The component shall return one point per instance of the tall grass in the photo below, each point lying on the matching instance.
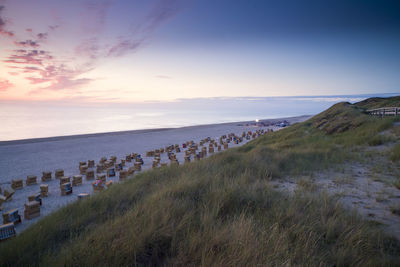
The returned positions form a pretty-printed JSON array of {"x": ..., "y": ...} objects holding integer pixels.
[
  {"x": 214, "y": 212},
  {"x": 219, "y": 211},
  {"x": 395, "y": 155}
]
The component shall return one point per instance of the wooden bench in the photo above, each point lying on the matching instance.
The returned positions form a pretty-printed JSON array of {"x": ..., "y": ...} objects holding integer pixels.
[
  {"x": 17, "y": 184},
  {"x": 31, "y": 180},
  {"x": 7, "y": 231},
  {"x": 32, "y": 210},
  {"x": 11, "y": 216}
]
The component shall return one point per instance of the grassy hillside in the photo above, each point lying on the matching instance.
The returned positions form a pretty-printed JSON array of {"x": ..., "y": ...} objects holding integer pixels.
[
  {"x": 222, "y": 210},
  {"x": 379, "y": 102}
]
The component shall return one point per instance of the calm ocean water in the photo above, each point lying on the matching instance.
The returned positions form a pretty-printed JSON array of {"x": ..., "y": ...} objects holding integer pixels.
[{"x": 23, "y": 120}]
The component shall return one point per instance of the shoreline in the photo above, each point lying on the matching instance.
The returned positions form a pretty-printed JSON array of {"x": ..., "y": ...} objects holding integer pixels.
[
  {"x": 33, "y": 156},
  {"x": 138, "y": 131}
]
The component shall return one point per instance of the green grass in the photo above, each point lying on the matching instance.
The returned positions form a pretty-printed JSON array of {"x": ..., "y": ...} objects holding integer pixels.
[
  {"x": 380, "y": 140},
  {"x": 379, "y": 102},
  {"x": 397, "y": 183},
  {"x": 395, "y": 153},
  {"x": 222, "y": 210}
]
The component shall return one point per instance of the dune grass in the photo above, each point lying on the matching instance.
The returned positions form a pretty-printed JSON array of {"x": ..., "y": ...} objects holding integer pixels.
[
  {"x": 222, "y": 210},
  {"x": 379, "y": 102},
  {"x": 214, "y": 212},
  {"x": 395, "y": 156}
]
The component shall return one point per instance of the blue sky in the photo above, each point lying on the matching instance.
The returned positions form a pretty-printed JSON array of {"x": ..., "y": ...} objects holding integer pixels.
[{"x": 136, "y": 51}]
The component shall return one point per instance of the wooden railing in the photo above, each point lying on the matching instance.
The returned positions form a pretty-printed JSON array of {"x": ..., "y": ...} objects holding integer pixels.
[{"x": 388, "y": 111}]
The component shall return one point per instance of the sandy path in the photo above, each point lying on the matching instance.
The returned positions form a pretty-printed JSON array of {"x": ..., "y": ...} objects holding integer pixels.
[{"x": 358, "y": 188}]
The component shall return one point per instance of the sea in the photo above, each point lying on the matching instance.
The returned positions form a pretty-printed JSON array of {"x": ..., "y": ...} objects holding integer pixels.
[{"x": 27, "y": 120}]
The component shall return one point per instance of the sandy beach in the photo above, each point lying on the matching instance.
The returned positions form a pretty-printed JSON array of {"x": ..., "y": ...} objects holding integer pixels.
[{"x": 31, "y": 157}]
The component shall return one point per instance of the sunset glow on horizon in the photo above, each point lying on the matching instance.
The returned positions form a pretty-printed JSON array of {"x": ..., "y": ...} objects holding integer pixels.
[{"x": 135, "y": 51}]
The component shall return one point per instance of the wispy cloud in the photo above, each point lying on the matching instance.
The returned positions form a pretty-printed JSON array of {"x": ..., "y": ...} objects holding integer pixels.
[
  {"x": 93, "y": 24},
  {"x": 27, "y": 43},
  {"x": 42, "y": 36},
  {"x": 88, "y": 48},
  {"x": 95, "y": 13},
  {"x": 59, "y": 77},
  {"x": 36, "y": 80},
  {"x": 5, "y": 84},
  {"x": 163, "y": 77},
  {"x": 28, "y": 57},
  {"x": 3, "y": 21},
  {"x": 124, "y": 46},
  {"x": 45, "y": 70},
  {"x": 67, "y": 82},
  {"x": 160, "y": 13},
  {"x": 54, "y": 27}
]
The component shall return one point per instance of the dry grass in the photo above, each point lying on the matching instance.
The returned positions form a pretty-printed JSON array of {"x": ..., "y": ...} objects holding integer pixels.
[
  {"x": 201, "y": 214},
  {"x": 220, "y": 211},
  {"x": 395, "y": 155}
]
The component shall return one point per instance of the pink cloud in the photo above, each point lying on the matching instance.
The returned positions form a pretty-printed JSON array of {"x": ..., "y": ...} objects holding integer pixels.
[
  {"x": 22, "y": 60},
  {"x": 34, "y": 80},
  {"x": 27, "y": 43},
  {"x": 6, "y": 33},
  {"x": 3, "y": 31},
  {"x": 69, "y": 83},
  {"x": 31, "y": 69},
  {"x": 5, "y": 84},
  {"x": 61, "y": 83},
  {"x": 31, "y": 57},
  {"x": 59, "y": 76},
  {"x": 46, "y": 72},
  {"x": 43, "y": 68}
]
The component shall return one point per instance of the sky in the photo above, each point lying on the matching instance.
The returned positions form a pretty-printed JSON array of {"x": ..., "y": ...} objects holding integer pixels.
[{"x": 120, "y": 51}]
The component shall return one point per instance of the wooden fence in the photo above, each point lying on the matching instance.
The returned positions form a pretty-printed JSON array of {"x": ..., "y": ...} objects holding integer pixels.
[{"x": 388, "y": 111}]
